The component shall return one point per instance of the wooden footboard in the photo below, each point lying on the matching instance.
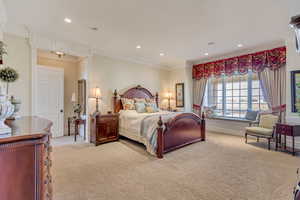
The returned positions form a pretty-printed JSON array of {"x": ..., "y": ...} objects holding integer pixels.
[{"x": 184, "y": 129}]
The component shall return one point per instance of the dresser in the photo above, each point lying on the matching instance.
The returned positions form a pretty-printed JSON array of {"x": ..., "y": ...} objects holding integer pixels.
[
  {"x": 25, "y": 160},
  {"x": 282, "y": 131},
  {"x": 104, "y": 128}
]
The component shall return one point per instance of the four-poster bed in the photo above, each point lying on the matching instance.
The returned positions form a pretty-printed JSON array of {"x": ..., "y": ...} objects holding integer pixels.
[{"x": 180, "y": 130}]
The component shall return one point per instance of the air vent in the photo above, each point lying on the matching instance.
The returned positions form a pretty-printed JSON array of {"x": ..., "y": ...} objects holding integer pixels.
[{"x": 94, "y": 28}]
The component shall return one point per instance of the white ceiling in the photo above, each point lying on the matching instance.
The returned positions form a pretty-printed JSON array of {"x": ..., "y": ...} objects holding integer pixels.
[{"x": 179, "y": 28}]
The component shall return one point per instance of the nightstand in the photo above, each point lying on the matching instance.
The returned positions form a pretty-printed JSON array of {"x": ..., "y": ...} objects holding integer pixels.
[{"x": 104, "y": 128}]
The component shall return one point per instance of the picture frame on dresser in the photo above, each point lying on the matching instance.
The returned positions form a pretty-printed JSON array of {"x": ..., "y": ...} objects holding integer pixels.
[
  {"x": 179, "y": 93},
  {"x": 295, "y": 90}
]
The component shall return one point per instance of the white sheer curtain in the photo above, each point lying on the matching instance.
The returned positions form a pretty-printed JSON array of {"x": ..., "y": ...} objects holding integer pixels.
[
  {"x": 273, "y": 83},
  {"x": 198, "y": 94}
]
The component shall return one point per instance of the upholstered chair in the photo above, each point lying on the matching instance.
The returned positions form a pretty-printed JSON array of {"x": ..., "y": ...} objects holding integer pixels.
[{"x": 264, "y": 128}]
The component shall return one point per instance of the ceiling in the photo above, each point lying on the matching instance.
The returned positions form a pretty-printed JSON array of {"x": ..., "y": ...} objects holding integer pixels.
[{"x": 180, "y": 29}]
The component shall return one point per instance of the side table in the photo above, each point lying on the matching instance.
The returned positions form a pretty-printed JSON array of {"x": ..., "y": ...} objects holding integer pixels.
[
  {"x": 77, "y": 123},
  {"x": 287, "y": 129}
]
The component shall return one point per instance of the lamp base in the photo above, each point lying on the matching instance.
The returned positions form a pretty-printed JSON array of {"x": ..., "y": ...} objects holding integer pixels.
[{"x": 96, "y": 113}]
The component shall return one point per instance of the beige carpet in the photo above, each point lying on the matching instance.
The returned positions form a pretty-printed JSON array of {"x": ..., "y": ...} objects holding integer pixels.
[{"x": 223, "y": 168}]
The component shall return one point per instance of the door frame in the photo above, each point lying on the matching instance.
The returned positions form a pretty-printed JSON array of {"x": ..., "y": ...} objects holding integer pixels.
[{"x": 34, "y": 63}]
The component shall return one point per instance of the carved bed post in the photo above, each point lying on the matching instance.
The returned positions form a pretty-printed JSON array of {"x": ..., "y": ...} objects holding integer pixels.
[
  {"x": 160, "y": 138},
  {"x": 115, "y": 98},
  {"x": 156, "y": 99},
  {"x": 203, "y": 127}
]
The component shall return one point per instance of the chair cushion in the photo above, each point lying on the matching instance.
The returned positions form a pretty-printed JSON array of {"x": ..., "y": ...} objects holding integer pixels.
[
  {"x": 259, "y": 131},
  {"x": 268, "y": 121}
]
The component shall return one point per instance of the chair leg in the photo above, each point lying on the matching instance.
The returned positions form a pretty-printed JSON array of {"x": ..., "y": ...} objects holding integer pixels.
[
  {"x": 246, "y": 137},
  {"x": 269, "y": 143}
]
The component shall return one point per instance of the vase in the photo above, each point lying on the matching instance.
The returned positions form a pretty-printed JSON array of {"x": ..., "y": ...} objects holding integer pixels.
[
  {"x": 6, "y": 110},
  {"x": 17, "y": 106}
]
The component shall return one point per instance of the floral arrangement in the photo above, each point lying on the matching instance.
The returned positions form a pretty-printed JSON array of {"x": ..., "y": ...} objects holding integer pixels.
[{"x": 8, "y": 75}]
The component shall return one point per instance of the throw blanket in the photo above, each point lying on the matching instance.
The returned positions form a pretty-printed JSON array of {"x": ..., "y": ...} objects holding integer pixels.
[{"x": 149, "y": 130}]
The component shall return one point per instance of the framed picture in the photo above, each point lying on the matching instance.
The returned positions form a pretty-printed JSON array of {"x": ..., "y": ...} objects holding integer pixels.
[
  {"x": 82, "y": 95},
  {"x": 295, "y": 86},
  {"x": 179, "y": 88}
]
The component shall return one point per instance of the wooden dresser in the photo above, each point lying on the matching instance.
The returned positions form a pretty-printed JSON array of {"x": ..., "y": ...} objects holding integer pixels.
[
  {"x": 25, "y": 160},
  {"x": 104, "y": 128}
]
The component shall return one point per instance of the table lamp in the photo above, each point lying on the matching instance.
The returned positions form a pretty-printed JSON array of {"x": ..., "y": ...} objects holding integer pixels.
[
  {"x": 168, "y": 96},
  {"x": 96, "y": 94}
]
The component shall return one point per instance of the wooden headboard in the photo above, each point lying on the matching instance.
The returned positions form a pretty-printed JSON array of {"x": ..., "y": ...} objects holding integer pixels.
[{"x": 135, "y": 92}]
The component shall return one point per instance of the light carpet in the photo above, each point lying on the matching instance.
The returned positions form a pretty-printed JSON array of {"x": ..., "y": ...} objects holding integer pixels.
[{"x": 222, "y": 168}]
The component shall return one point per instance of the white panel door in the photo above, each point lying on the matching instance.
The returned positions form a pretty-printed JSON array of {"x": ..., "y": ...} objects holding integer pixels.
[{"x": 50, "y": 97}]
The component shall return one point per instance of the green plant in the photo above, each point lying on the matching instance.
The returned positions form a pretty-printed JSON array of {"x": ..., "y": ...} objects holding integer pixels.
[{"x": 8, "y": 75}]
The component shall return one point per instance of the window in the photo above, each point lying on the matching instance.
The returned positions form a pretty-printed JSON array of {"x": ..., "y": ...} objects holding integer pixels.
[{"x": 233, "y": 96}]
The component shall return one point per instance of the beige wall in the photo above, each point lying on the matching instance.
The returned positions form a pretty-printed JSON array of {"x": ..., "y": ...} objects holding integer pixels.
[
  {"x": 71, "y": 74},
  {"x": 110, "y": 74},
  {"x": 19, "y": 58},
  {"x": 182, "y": 75}
]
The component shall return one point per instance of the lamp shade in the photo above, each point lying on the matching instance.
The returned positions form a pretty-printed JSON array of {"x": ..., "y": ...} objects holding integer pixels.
[
  {"x": 168, "y": 95},
  {"x": 96, "y": 93}
]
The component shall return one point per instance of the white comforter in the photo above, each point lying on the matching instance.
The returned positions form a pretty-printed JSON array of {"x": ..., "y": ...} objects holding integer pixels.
[{"x": 142, "y": 126}]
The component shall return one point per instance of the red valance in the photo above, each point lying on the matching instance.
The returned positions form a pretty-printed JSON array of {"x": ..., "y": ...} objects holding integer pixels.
[{"x": 273, "y": 59}]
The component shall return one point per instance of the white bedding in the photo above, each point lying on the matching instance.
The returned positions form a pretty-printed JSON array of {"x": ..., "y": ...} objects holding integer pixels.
[{"x": 130, "y": 123}]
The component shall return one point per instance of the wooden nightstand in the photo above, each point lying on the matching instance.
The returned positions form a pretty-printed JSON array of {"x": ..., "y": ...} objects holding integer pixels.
[{"x": 104, "y": 128}]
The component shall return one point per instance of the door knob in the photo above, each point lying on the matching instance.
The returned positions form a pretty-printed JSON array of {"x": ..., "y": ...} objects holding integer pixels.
[{"x": 61, "y": 110}]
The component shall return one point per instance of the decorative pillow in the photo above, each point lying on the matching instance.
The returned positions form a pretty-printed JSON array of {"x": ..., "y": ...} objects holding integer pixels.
[
  {"x": 251, "y": 115},
  {"x": 151, "y": 107},
  {"x": 140, "y": 107},
  {"x": 128, "y": 104},
  {"x": 139, "y": 100}
]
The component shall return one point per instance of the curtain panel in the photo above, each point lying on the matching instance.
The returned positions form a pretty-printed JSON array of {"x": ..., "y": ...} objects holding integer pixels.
[
  {"x": 198, "y": 95},
  {"x": 273, "y": 83},
  {"x": 272, "y": 59}
]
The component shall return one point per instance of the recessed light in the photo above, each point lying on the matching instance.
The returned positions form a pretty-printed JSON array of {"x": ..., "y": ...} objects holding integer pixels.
[
  {"x": 59, "y": 53},
  {"x": 206, "y": 54},
  {"x": 240, "y": 45},
  {"x": 138, "y": 46},
  {"x": 161, "y": 54},
  {"x": 68, "y": 20}
]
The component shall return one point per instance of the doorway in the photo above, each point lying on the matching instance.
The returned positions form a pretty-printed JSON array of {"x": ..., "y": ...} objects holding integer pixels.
[{"x": 72, "y": 67}]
